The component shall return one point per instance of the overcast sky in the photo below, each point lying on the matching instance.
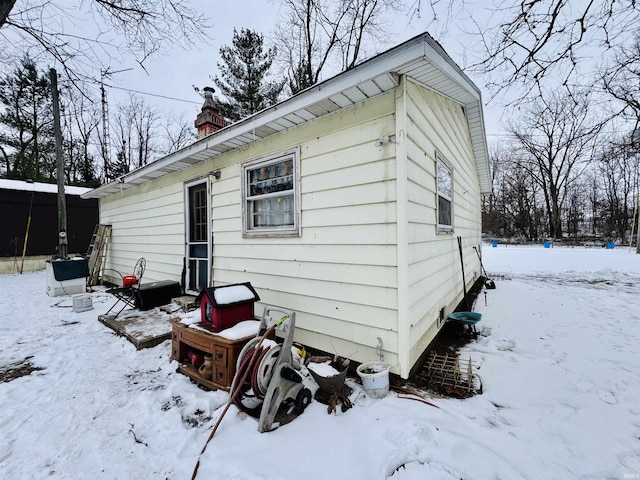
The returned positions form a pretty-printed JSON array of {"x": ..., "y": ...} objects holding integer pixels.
[{"x": 174, "y": 74}]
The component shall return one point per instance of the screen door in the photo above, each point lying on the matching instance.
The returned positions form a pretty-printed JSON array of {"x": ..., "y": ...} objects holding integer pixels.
[{"x": 197, "y": 233}]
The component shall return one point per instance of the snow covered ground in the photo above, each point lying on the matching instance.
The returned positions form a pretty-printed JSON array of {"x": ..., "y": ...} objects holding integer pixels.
[{"x": 558, "y": 356}]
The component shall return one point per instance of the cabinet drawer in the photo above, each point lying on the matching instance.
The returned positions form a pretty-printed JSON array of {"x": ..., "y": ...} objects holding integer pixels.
[
  {"x": 199, "y": 341},
  {"x": 220, "y": 355},
  {"x": 224, "y": 353},
  {"x": 221, "y": 375}
]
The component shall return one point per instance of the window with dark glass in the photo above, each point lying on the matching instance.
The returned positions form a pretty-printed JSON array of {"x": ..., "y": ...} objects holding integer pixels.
[
  {"x": 444, "y": 178},
  {"x": 197, "y": 242}
]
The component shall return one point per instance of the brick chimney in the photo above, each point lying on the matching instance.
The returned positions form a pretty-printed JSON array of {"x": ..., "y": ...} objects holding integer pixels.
[{"x": 209, "y": 119}]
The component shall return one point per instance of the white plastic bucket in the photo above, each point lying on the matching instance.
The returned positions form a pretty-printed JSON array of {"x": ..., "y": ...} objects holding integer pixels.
[{"x": 375, "y": 378}]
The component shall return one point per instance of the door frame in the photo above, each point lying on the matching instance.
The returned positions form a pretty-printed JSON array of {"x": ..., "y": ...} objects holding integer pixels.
[{"x": 187, "y": 230}]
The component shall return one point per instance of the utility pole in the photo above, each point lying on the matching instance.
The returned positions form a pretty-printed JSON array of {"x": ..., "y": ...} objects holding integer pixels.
[
  {"x": 57, "y": 131},
  {"x": 106, "y": 143},
  {"x": 106, "y": 150},
  {"x": 635, "y": 143}
]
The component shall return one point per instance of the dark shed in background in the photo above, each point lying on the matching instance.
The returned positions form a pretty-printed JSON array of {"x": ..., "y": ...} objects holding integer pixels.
[{"x": 15, "y": 198}]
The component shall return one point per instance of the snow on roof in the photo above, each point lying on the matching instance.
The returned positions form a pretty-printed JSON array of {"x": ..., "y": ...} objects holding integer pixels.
[
  {"x": 233, "y": 294},
  {"x": 22, "y": 185}
]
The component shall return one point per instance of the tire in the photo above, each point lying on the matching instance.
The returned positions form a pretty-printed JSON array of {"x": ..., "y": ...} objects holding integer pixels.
[{"x": 303, "y": 399}]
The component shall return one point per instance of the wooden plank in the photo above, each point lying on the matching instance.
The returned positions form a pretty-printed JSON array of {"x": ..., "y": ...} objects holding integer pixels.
[{"x": 143, "y": 329}]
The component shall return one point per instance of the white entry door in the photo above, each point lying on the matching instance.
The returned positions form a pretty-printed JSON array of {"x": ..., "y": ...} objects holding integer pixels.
[{"x": 198, "y": 238}]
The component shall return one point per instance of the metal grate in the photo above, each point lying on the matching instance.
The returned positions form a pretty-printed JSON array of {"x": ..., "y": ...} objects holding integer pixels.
[{"x": 452, "y": 375}]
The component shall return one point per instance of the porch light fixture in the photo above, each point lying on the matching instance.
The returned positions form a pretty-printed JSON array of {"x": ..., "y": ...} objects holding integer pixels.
[
  {"x": 215, "y": 174},
  {"x": 385, "y": 139}
]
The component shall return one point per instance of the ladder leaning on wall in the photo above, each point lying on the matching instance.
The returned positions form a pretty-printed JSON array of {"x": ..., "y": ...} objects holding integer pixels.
[{"x": 97, "y": 253}]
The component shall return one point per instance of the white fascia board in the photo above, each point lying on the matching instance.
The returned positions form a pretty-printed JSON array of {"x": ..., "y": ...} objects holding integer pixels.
[
  {"x": 420, "y": 47},
  {"x": 333, "y": 86},
  {"x": 441, "y": 60},
  {"x": 439, "y": 57}
]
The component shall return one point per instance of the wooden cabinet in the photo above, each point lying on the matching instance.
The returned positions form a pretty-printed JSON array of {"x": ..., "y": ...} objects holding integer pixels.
[{"x": 224, "y": 353}]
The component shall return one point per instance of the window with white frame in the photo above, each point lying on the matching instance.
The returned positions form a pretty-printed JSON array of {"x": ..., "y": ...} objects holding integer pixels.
[
  {"x": 271, "y": 195},
  {"x": 444, "y": 177}
]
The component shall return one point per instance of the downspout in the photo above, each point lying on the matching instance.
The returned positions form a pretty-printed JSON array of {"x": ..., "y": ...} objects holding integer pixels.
[{"x": 402, "y": 203}]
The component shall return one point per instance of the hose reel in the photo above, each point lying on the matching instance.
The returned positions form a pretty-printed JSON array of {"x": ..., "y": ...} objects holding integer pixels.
[{"x": 271, "y": 382}]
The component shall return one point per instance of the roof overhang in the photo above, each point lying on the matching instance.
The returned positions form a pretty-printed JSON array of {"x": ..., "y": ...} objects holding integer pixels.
[{"x": 421, "y": 58}]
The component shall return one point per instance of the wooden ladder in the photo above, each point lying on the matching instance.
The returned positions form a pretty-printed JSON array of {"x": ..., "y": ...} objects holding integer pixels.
[{"x": 97, "y": 253}]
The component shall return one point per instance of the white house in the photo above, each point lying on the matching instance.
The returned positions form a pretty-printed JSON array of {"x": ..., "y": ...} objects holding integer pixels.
[{"x": 342, "y": 203}]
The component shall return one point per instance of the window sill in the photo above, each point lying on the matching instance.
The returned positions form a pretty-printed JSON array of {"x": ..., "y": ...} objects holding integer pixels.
[{"x": 270, "y": 233}]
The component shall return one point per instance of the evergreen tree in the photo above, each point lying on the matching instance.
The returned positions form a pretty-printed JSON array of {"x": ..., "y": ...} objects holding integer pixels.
[
  {"x": 27, "y": 143},
  {"x": 299, "y": 78},
  {"x": 121, "y": 165},
  {"x": 243, "y": 71}
]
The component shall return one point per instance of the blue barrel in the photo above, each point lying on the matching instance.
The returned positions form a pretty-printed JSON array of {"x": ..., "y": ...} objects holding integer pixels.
[
  {"x": 547, "y": 244},
  {"x": 610, "y": 245},
  {"x": 494, "y": 244}
]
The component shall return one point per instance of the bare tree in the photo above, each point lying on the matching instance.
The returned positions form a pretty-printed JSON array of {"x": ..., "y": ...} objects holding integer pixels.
[
  {"x": 557, "y": 39},
  {"x": 576, "y": 205},
  {"x": 175, "y": 132},
  {"x": 314, "y": 35},
  {"x": 5, "y": 8},
  {"x": 594, "y": 201},
  {"x": 620, "y": 80},
  {"x": 118, "y": 30},
  {"x": 494, "y": 210},
  {"x": 618, "y": 168},
  {"x": 512, "y": 210},
  {"x": 557, "y": 134},
  {"x": 134, "y": 132},
  {"x": 81, "y": 119}
]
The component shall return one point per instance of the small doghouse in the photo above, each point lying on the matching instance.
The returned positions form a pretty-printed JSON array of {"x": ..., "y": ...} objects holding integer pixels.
[{"x": 223, "y": 307}]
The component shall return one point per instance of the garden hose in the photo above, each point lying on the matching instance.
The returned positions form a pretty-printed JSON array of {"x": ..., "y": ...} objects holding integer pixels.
[{"x": 235, "y": 388}]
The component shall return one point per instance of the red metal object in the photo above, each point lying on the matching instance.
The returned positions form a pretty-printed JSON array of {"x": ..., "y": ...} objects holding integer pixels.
[
  {"x": 219, "y": 318},
  {"x": 129, "y": 281}
]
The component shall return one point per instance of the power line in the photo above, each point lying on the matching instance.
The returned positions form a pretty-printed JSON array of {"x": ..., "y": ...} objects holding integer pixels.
[{"x": 153, "y": 94}]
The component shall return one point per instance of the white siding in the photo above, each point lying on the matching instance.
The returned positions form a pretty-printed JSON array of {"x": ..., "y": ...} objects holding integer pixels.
[
  {"x": 339, "y": 275},
  {"x": 342, "y": 275},
  {"x": 148, "y": 224},
  {"x": 436, "y": 123}
]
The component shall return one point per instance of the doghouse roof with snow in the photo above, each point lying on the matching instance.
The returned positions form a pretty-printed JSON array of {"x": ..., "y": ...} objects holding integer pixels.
[
  {"x": 229, "y": 295},
  {"x": 223, "y": 307}
]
